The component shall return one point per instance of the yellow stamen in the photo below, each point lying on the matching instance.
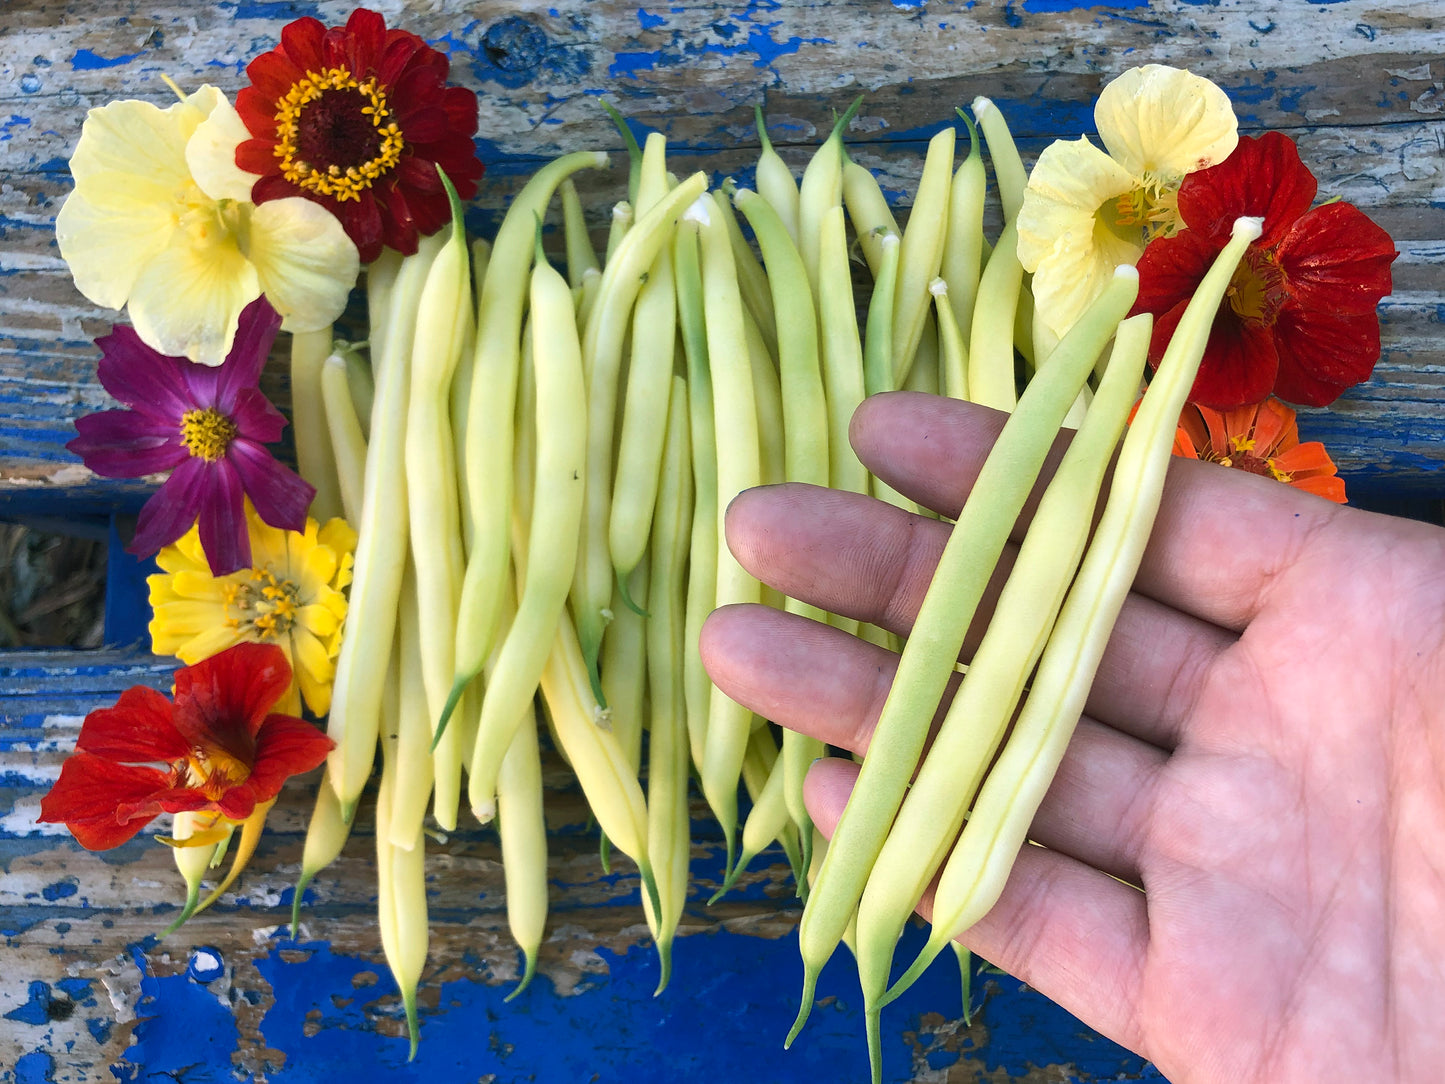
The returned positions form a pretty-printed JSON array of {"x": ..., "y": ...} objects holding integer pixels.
[
  {"x": 263, "y": 605},
  {"x": 330, "y": 181},
  {"x": 207, "y": 433}
]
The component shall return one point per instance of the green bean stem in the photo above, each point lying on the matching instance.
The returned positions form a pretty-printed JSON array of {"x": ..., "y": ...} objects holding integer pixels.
[
  {"x": 963, "y": 240},
  {"x": 581, "y": 256},
  {"x": 776, "y": 182},
  {"x": 821, "y": 189},
  {"x": 869, "y": 212}
]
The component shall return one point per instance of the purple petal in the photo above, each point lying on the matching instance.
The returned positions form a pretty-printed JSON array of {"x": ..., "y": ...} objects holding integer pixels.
[
  {"x": 281, "y": 496},
  {"x": 241, "y": 370},
  {"x": 141, "y": 378},
  {"x": 171, "y": 511},
  {"x": 223, "y": 521},
  {"x": 127, "y": 444},
  {"x": 256, "y": 418}
]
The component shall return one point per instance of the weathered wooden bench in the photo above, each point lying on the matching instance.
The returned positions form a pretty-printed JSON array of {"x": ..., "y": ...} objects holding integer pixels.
[{"x": 87, "y": 992}]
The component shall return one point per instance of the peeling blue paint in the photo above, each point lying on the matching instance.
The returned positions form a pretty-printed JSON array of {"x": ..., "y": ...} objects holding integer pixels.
[
  {"x": 1040, "y": 7},
  {"x": 279, "y": 11},
  {"x": 36, "y": 1067},
  {"x": 650, "y": 21},
  {"x": 85, "y": 60},
  {"x": 7, "y": 132},
  {"x": 514, "y": 51},
  {"x": 61, "y": 889},
  {"x": 758, "y": 40},
  {"x": 30, "y": 83}
]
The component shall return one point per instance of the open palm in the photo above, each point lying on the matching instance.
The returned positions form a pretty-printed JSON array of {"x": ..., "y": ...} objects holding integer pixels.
[{"x": 1263, "y": 754}]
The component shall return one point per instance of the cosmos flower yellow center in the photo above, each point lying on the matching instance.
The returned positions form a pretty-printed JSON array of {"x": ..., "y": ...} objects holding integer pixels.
[
  {"x": 207, "y": 433},
  {"x": 335, "y": 135},
  {"x": 262, "y": 604}
]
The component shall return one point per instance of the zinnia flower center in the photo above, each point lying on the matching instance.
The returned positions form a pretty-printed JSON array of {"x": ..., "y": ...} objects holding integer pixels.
[
  {"x": 207, "y": 433},
  {"x": 263, "y": 605},
  {"x": 334, "y": 136},
  {"x": 1241, "y": 457},
  {"x": 1257, "y": 290}
]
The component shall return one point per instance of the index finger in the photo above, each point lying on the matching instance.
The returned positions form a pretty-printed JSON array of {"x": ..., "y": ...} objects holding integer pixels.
[{"x": 1220, "y": 538}]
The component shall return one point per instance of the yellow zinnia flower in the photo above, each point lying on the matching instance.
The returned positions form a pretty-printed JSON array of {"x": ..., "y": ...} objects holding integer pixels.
[
  {"x": 161, "y": 221},
  {"x": 1086, "y": 212},
  {"x": 291, "y": 596}
]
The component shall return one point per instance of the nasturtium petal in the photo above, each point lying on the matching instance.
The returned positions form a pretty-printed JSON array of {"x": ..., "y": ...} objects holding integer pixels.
[
  {"x": 304, "y": 261},
  {"x": 211, "y": 153},
  {"x": 1162, "y": 122},
  {"x": 1070, "y": 182},
  {"x": 188, "y": 300}
]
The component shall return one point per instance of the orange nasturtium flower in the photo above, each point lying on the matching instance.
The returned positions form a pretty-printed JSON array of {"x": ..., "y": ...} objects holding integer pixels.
[
  {"x": 222, "y": 748},
  {"x": 1263, "y": 439}
]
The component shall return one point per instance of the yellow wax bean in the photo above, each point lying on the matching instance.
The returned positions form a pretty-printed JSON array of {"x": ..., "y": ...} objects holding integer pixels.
[
  {"x": 953, "y": 352},
  {"x": 554, "y": 529},
  {"x": 768, "y": 397},
  {"x": 804, "y": 428},
  {"x": 843, "y": 382},
  {"x": 522, "y": 829},
  {"x": 411, "y": 787},
  {"x": 991, "y": 341},
  {"x": 624, "y": 662},
  {"x": 869, "y": 212},
  {"x": 822, "y": 189},
  {"x": 314, "y": 462},
  {"x": 326, "y": 835},
  {"x": 634, "y": 152},
  {"x": 363, "y": 388},
  {"x": 703, "y": 550},
  {"x": 776, "y": 182},
  {"x": 652, "y": 176},
  {"x": 433, "y": 499},
  {"x": 495, "y": 362},
  {"x": 753, "y": 280},
  {"x": 668, "y": 842},
  {"x": 644, "y": 416},
  {"x": 944, "y": 785},
  {"x": 963, "y": 241},
  {"x": 348, "y": 443},
  {"x": 460, "y": 395},
  {"x": 1008, "y": 167},
  {"x": 620, "y": 223},
  {"x": 931, "y": 650},
  {"x": 879, "y": 370},
  {"x": 381, "y": 544},
  {"x": 602, "y": 345},
  {"x": 975, "y": 872},
  {"x": 921, "y": 253},
  {"x": 194, "y": 858},
  {"x": 607, "y": 780},
  {"x": 738, "y": 468},
  {"x": 581, "y": 256}
]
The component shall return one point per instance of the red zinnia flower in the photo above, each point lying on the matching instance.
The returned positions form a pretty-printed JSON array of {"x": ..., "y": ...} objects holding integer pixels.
[
  {"x": 206, "y": 425},
  {"x": 224, "y": 749},
  {"x": 1261, "y": 439},
  {"x": 1299, "y": 319},
  {"x": 359, "y": 119}
]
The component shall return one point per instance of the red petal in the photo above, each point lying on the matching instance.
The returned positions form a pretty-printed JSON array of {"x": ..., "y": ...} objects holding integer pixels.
[
  {"x": 238, "y": 803},
  {"x": 366, "y": 36},
  {"x": 1239, "y": 363},
  {"x": 222, "y": 701},
  {"x": 285, "y": 746},
  {"x": 362, "y": 221},
  {"x": 301, "y": 42},
  {"x": 1337, "y": 260},
  {"x": 1321, "y": 354},
  {"x": 88, "y": 794},
  {"x": 258, "y": 156},
  {"x": 258, "y": 113},
  {"x": 136, "y": 730},
  {"x": 1171, "y": 269},
  {"x": 273, "y": 74},
  {"x": 1264, "y": 177}
]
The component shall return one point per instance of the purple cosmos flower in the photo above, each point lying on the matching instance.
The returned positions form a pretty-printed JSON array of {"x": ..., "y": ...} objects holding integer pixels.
[{"x": 207, "y": 426}]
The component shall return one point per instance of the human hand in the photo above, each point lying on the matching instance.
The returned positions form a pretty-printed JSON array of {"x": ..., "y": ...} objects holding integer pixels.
[{"x": 1263, "y": 753}]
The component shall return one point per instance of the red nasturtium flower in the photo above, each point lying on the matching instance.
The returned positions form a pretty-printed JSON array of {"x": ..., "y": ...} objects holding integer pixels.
[
  {"x": 1299, "y": 320},
  {"x": 359, "y": 118},
  {"x": 224, "y": 749},
  {"x": 208, "y": 426},
  {"x": 1261, "y": 439}
]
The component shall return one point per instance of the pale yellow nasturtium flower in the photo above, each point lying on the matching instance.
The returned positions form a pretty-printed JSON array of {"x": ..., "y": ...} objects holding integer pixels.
[
  {"x": 1085, "y": 211},
  {"x": 291, "y": 596},
  {"x": 161, "y": 222}
]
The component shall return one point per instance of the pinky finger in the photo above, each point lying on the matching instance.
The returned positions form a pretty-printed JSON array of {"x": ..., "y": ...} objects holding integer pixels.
[{"x": 1073, "y": 933}]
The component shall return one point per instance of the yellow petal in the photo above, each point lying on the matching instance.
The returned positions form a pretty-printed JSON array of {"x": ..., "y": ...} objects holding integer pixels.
[
  {"x": 319, "y": 619},
  {"x": 314, "y": 671},
  {"x": 188, "y": 299},
  {"x": 305, "y": 262},
  {"x": 1160, "y": 122},
  {"x": 211, "y": 152},
  {"x": 1076, "y": 271},
  {"x": 1070, "y": 182}
]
